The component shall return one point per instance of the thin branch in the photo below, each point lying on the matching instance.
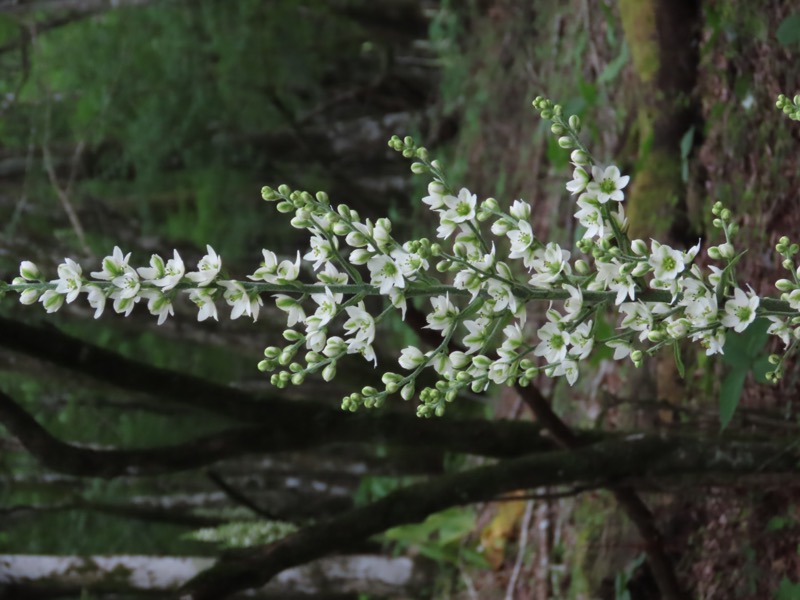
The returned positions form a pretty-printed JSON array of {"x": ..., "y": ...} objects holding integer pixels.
[
  {"x": 646, "y": 456},
  {"x": 238, "y": 497},
  {"x": 297, "y": 424},
  {"x": 523, "y": 542}
]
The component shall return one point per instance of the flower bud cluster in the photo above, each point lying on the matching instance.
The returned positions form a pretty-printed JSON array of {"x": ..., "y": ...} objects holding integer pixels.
[{"x": 791, "y": 107}]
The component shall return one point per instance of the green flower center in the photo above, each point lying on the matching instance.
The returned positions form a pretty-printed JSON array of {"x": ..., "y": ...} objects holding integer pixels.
[
  {"x": 743, "y": 313},
  {"x": 607, "y": 186},
  {"x": 463, "y": 209}
]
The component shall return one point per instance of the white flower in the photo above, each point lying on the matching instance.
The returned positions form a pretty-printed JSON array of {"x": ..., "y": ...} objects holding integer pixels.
[
  {"x": 123, "y": 304},
  {"x": 741, "y": 310},
  {"x": 637, "y": 317},
  {"x": 331, "y": 275},
  {"x": 607, "y": 184},
  {"x": 207, "y": 270},
  {"x": 154, "y": 271},
  {"x": 580, "y": 179},
  {"x": 470, "y": 280},
  {"x": 460, "y": 209},
  {"x": 361, "y": 326},
  {"x": 158, "y": 304},
  {"x": 240, "y": 301},
  {"x": 520, "y": 210},
  {"x": 292, "y": 308},
  {"x": 476, "y": 334},
  {"x": 328, "y": 305},
  {"x": 204, "y": 300},
  {"x": 316, "y": 334},
  {"x": 567, "y": 368},
  {"x": 582, "y": 341},
  {"x": 288, "y": 270},
  {"x": 70, "y": 279},
  {"x": 385, "y": 273},
  {"x": 549, "y": 263},
  {"x": 793, "y": 298},
  {"x": 113, "y": 266},
  {"x": 435, "y": 197},
  {"x": 500, "y": 296},
  {"x": 443, "y": 317},
  {"x": 51, "y": 300},
  {"x": 610, "y": 276},
  {"x": 96, "y": 298},
  {"x": 513, "y": 336},
  {"x": 173, "y": 273},
  {"x": 521, "y": 239},
  {"x": 780, "y": 328},
  {"x": 321, "y": 251},
  {"x": 574, "y": 304},
  {"x": 398, "y": 300},
  {"x": 410, "y": 263},
  {"x": 666, "y": 262},
  {"x": 128, "y": 284},
  {"x": 411, "y": 357},
  {"x": 501, "y": 372},
  {"x": 554, "y": 342},
  {"x": 590, "y": 217},
  {"x": 621, "y": 348}
]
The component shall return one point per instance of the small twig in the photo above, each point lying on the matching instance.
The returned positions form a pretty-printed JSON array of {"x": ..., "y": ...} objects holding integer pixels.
[
  {"x": 523, "y": 542},
  {"x": 239, "y": 497},
  {"x": 63, "y": 197}
]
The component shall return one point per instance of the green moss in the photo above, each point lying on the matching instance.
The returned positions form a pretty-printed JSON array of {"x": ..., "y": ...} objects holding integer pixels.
[
  {"x": 639, "y": 24},
  {"x": 654, "y": 196}
]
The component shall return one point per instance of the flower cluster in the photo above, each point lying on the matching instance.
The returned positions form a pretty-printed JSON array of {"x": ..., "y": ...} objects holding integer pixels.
[{"x": 478, "y": 275}]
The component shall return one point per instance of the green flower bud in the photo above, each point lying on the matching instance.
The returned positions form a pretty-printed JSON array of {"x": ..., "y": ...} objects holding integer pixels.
[
  {"x": 714, "y": 253},
  {"x": 557, "y": 129},
  {"x": 639, "y": 247},
  {"x": 268, "y": 194},
  {"x": 284, "y": 206},
  {"x": 784, "y": 285},
  {"x": 774, "y": 359},
  {"x": 566, "y": 142},
  {"x": 579, "y": 157},
  {"x": 284, "y": 190},
  {"x": 581, "y": 267},
  {"x": 298, "y": 378},
  {"x": 575, "y": 123},
  {"x": 418, "y": 168},
  {"x": 422, "y": 153},
  {"x": 329, "y": 372},
  {"x": 290, "y": 335},
  {"x": 788, "y": 264}
]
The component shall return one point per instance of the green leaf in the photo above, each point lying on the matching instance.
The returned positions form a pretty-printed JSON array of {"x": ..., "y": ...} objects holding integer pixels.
[
  {"x": 729, "y": 395},
  {"x": 789, "y": 30},
  {"x": 679, "y": 360},
  {"x": 761, "y": 367},
  {"x": 743, "y": 349},
  {"x": 613, "y": 68},
  {"x": 788, "y": 590},
  {"x": 686, "y": 147}
]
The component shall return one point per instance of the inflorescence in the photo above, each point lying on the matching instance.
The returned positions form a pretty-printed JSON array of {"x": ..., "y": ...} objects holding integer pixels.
[{"x": 478, "y": 275}]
